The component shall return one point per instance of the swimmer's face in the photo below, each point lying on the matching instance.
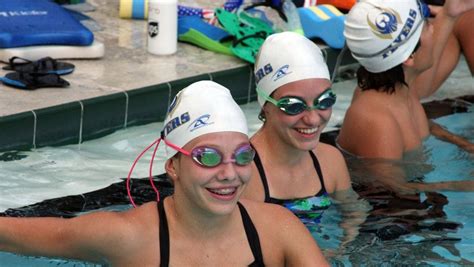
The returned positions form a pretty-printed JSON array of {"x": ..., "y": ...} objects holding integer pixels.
[
  {"x": 302, "y": 130},
  {"x": 217, "y": 189}
]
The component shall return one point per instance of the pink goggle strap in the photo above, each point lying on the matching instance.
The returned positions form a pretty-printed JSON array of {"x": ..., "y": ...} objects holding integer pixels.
[
  {"x": 156, "y": 143},
  {"x": 129, "y": 193}
]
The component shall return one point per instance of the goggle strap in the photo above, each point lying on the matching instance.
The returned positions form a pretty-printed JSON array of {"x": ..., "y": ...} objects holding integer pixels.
[
  {"x": 151, "y": 171},
  {"x": 177, "y": 148},
  {"x": 129, "y": 193},
  {"x": 265, "y": 96}
]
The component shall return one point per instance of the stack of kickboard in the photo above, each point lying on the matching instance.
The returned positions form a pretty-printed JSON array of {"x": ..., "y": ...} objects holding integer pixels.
[{"x": 34, "y": 29}]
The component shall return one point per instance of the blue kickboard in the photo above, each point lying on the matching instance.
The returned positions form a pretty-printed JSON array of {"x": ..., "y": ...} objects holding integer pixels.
[
  {"x": 331, "y": 30},
  {"x": 39, "y": 22}
]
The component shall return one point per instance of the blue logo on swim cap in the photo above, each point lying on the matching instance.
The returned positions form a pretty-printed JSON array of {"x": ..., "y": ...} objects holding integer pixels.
[
  {"x": 281, "y": 72},
  {"x": 404, "y": 33},
  {"x": 174, "y": 104},
  {"x": 385, "y": 23},
  {"x": 200, "y": 122}
]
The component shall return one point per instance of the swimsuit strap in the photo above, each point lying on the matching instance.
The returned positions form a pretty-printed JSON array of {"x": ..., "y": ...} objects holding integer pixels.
[
  {"x": 263, "y": 177},
  {"x": 252, "y": 236},
  {"x": 317, "y": 166},
  {"x": 164, "y": 236}
]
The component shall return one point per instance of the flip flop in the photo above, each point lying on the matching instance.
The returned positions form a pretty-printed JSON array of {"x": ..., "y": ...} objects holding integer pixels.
[
  {"x": 45, "y": 65},
  {"x": 194, "y": 30},
  {"x": 325, "y": 22},
  {"x": 32, "y": 81}
]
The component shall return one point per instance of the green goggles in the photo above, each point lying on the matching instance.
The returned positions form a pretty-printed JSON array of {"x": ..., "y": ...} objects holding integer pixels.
[
  {"x": 210, "y": 157},
  {"x": 293, "y": 105}
]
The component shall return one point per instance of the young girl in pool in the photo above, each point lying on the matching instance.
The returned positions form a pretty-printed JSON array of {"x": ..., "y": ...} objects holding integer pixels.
[
  {"x": 291, "y": 167},
  {"x": 202, "y": 224}
]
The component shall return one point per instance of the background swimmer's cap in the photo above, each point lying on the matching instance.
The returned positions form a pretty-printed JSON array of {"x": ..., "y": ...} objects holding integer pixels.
[
  {"x": 382, "y": 34},
  {"x": 201, "y": 108},
  {"x": 287, "y": 57}
]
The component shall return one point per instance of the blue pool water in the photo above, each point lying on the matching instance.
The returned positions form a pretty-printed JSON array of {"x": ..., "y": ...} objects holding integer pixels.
[
  {"x": 436, "y": 235},
  {"x": 109, "y": 159}
]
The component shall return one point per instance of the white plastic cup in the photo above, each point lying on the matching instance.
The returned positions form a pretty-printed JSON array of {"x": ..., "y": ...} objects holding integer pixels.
[{"x": 162, "y": 27}]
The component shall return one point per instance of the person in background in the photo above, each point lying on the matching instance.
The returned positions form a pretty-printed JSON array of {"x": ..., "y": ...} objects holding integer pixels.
[
  {"x": 461, "y": 41},
  {"x": 202, "y": 223},
  {"x": 394, "y": 43},
  {"x": 291, "y": 167}
]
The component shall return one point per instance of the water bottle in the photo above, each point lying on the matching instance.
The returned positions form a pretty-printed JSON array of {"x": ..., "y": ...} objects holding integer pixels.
[
  {"x": 162, "y": 27},
  {"x": 293, "y": 17}
]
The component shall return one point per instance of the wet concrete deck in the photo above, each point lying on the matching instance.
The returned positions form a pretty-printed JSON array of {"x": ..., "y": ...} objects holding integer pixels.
[{"x": 125, "y": 66}]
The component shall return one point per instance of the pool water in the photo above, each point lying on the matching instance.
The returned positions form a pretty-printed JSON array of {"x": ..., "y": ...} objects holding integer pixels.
[
  {"x": 45, "y": 173},
  {"x": 98, "y": 163},
  {"x": 435, "y": 230}
]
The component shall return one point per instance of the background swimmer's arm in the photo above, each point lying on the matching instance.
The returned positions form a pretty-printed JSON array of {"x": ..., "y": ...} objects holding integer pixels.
[
  {"x": 461, "y": 186},
  {"x": 439, "y": 132},
  {"x": 428, "y": 82}
]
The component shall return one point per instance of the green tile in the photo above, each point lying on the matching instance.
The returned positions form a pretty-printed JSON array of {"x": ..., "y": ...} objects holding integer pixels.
[
  {"x": 16, "y": 131},
  {"x": 58, "y": 125},
  {"x": 237, "y": 80},
  {"x": 103, "y": 115},
  {"x": 147, "y": 104}
]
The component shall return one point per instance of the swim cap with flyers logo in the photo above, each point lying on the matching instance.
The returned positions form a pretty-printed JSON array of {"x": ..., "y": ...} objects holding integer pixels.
[
  {"x": 201, "y": 108},
  {"x": 287, "y": 57},
  {"x": 382, "y": 34}
]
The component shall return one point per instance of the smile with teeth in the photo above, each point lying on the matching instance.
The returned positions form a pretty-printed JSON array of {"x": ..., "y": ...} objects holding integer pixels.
[
  {"x": 223, "y": 191},
  {"x": 307, "y": 130}
]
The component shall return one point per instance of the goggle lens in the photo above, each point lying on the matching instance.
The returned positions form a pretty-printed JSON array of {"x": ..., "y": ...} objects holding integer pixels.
[
  {"x": 295, "y": 105},
  {"x": 244, "y": 155},
  {"x": 211, "y": 157},
  {"x": 292, "y": 105},
  {"x": 206, "y": 156}
]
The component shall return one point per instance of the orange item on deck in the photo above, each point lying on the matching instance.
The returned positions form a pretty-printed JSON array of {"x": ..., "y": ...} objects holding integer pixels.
[{"x": 341, "y": 4}]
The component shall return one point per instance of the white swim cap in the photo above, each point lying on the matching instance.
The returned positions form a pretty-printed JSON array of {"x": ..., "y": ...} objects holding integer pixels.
[
  {"x": 382, "y": 34},
  {"x": 201, "y": 108},
  {"x": 287, "y": 57}
]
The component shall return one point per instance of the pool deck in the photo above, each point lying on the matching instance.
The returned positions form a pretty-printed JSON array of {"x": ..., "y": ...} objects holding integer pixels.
[
  {"x": 125, "y": 66},
  {"x": 128, "y": 86}
]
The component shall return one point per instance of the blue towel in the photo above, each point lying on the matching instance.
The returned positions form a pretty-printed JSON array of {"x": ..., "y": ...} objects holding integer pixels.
[{"x": 39, "y": 22}]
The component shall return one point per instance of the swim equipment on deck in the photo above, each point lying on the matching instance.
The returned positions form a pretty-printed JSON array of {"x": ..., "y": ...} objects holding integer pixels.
[
  {"x": 35, "y": 22},
  {"x": 325, "y": 22}
]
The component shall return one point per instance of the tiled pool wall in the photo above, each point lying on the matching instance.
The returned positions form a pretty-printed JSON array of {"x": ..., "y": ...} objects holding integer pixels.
[{"x": 79, "y": 121}]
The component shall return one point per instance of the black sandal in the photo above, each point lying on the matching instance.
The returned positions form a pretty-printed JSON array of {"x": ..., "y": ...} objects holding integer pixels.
[
  {"x": 45, "y": 65},
  {"x": 32, "y": 81}
]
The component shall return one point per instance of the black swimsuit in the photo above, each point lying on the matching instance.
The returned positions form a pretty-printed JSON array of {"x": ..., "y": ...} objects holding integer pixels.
[
  {"x": 308, "y": 209},
  {"x": 250, "y": 231}
]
